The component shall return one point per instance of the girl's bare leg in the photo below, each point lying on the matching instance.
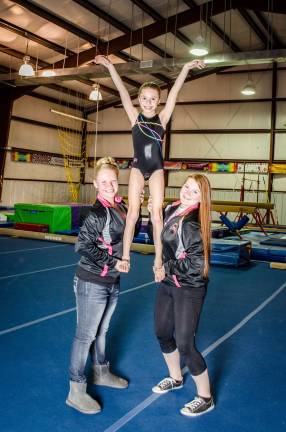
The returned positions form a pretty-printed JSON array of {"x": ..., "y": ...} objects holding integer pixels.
[
  {"x": 157, "y": 188},
  {"x": 173, "y": 363},
  {"x": 203, "y": 384},
  {"x": 135, "y": 188}
]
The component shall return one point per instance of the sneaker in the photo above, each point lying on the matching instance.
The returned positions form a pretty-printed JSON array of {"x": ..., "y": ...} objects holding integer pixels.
[
  {"x": 166, "y": 385},
  {"x": 197, "y": 407}
]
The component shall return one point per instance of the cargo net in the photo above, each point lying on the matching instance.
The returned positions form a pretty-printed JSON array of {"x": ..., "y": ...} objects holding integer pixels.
[{"x": 74, "y": 132}]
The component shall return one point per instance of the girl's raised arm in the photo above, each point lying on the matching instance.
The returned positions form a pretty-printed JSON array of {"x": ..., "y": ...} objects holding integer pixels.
[
  {"x": 167, "y": 111},
  {"x": 131, "y": 111}
]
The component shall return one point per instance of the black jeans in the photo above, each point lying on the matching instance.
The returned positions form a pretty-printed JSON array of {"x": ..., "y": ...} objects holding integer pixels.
[{"x": 177, "y": 314}]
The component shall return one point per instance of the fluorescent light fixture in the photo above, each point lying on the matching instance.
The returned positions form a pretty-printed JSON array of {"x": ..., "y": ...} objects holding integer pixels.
[
  {"x": 95, "y": 94},
  {"x": 48, "y": 73},
  {"x": 26, "y": 70},
  {"x": 199, "y": 47},
  {"x": 248, "y": 89}
]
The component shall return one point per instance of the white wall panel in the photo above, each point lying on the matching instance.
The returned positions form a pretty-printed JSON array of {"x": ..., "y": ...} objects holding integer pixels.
[
  {"x": 223, "y": 116},
  {"x": 222, "y": 86},
  {"x": 39, "y": 192},
  {"x": 34, "y": 137},
  {"x": 111, "y": 145},
  {"x": 279, "y": 183},
  {"x": 279, "y": 200},
  {"x": 280, "y": 147},
  {"x": 36, "y": 109},
  {"x": 24, "y": 170},
  {"x": 220, "y": 146},
  {"x": 280, "y": 115},
  {"x": 111, "y": 119},
  {"x": 222, "y": 180},
  {"x": 281, "y": 83}
]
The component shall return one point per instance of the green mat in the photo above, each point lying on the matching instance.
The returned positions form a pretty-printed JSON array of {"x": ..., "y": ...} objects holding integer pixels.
[{"x": 58, "y": 217}]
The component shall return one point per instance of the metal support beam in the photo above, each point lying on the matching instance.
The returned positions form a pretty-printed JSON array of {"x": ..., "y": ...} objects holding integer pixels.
[
  {"x": 272, "y": 133},
  {"x": 6, "y": 105}
]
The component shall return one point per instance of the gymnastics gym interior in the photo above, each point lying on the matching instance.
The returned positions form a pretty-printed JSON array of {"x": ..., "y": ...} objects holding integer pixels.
[{"x": 60, "y": 112}]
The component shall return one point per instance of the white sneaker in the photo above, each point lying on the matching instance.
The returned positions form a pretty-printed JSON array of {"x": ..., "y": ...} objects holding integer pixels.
[
  {"x": 166, "y": 385},
  {"x": 197, "y": 407}
]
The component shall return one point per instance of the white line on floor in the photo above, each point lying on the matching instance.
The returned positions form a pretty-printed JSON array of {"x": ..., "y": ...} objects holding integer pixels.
[
  {"x": 66, "y": 311},
  {"x": 37, "y": 271},
  {"x": 149, "y": 400},
  {"x": 32, "y": 249}
]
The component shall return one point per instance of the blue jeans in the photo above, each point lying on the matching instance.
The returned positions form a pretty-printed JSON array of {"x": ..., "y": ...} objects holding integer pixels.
[{"x": 95, "y": 306}]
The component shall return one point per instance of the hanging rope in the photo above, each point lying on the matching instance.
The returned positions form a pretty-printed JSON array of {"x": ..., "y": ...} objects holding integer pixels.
[
  {"x": 175, "y": 33},
  {"x": 131, "y": 31}
]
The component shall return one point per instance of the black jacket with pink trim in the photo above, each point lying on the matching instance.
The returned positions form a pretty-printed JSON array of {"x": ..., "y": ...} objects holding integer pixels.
[
  {"x": 183, "y": 253},
  {"x": 100, "y": 242}
]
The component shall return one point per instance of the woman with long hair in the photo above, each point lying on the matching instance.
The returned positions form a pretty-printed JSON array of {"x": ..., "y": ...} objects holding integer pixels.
[{"x": 186, "y": 253}]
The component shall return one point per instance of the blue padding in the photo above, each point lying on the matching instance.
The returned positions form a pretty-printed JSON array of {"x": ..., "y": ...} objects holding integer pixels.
[
  {"x": 6, "y": 224},
  {"x": 73, "y": 232},
  {"x": 234, "y": 226},
  {"x": 142, "y": 238},
  {"x": 230, "y": 252},
  {"x": 241, "y": 222},
  {"x": 274, "y": 242}
]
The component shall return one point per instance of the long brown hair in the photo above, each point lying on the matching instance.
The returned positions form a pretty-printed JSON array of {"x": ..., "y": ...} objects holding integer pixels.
[{"x": 204, "y": 216}]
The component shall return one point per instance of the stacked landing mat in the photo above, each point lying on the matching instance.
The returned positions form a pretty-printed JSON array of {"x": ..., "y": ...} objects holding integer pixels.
[
  {"x": 267, "y": 248},
  {"x": 230, "y": 252},
  {"x": 57, "y": 217}
]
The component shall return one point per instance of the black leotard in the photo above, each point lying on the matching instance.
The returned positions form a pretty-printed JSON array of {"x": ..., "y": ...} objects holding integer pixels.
[{"x": 147, "y": 135}]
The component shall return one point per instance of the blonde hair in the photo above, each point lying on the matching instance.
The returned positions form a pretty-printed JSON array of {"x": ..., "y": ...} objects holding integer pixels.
[
  {"x": 204, "y": 216},
  {"x": 150, "y": 84},
  {"x": 106, "y": 162}
]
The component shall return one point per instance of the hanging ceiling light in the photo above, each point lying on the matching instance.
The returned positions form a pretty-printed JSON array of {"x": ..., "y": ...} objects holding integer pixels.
[
  {"x": 199, "y": 47},
  {"x": 26, "y": 70},
  {"x": 248, "y": 89},
  {"x": 95, "y": 94}
]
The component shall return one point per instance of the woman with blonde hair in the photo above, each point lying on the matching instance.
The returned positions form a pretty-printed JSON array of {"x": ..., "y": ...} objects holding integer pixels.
[
  {"x": 186, "y": 251},
  {"x": 96, "y": 286}
]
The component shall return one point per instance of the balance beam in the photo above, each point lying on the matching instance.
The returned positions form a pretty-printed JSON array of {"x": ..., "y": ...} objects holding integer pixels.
[
  {"x": 135, "y": 247},
  {"x": 278, "y": 265}
]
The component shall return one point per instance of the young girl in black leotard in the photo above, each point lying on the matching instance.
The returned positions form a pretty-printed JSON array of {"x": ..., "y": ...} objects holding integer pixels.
[{"x": 147, "y": 131}]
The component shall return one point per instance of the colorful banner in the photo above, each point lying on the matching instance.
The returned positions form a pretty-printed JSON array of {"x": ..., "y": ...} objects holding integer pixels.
[
  {"x": 21, "y": 157},
  {"x": 229, "y": 167},
  {"x": 252, "y": 167},
  {"x": 277, "y": 168},
  {"x": 44, "y": 158},
  {"x": 195, "y": 166},
  {"x": 168, "y": 165}
]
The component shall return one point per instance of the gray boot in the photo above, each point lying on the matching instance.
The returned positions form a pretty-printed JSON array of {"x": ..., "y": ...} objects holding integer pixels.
[
  {"x": 101, "y": 375},
  {"x": 80, "y": 400}
]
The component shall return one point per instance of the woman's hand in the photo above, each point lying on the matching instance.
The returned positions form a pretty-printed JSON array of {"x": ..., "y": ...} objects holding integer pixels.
[
  {"x": 195, "y": 64},
  {"x": 102, "y": 60},
  {"x": 123, "y": 266},
  {"x": 159, "y": 273}
]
